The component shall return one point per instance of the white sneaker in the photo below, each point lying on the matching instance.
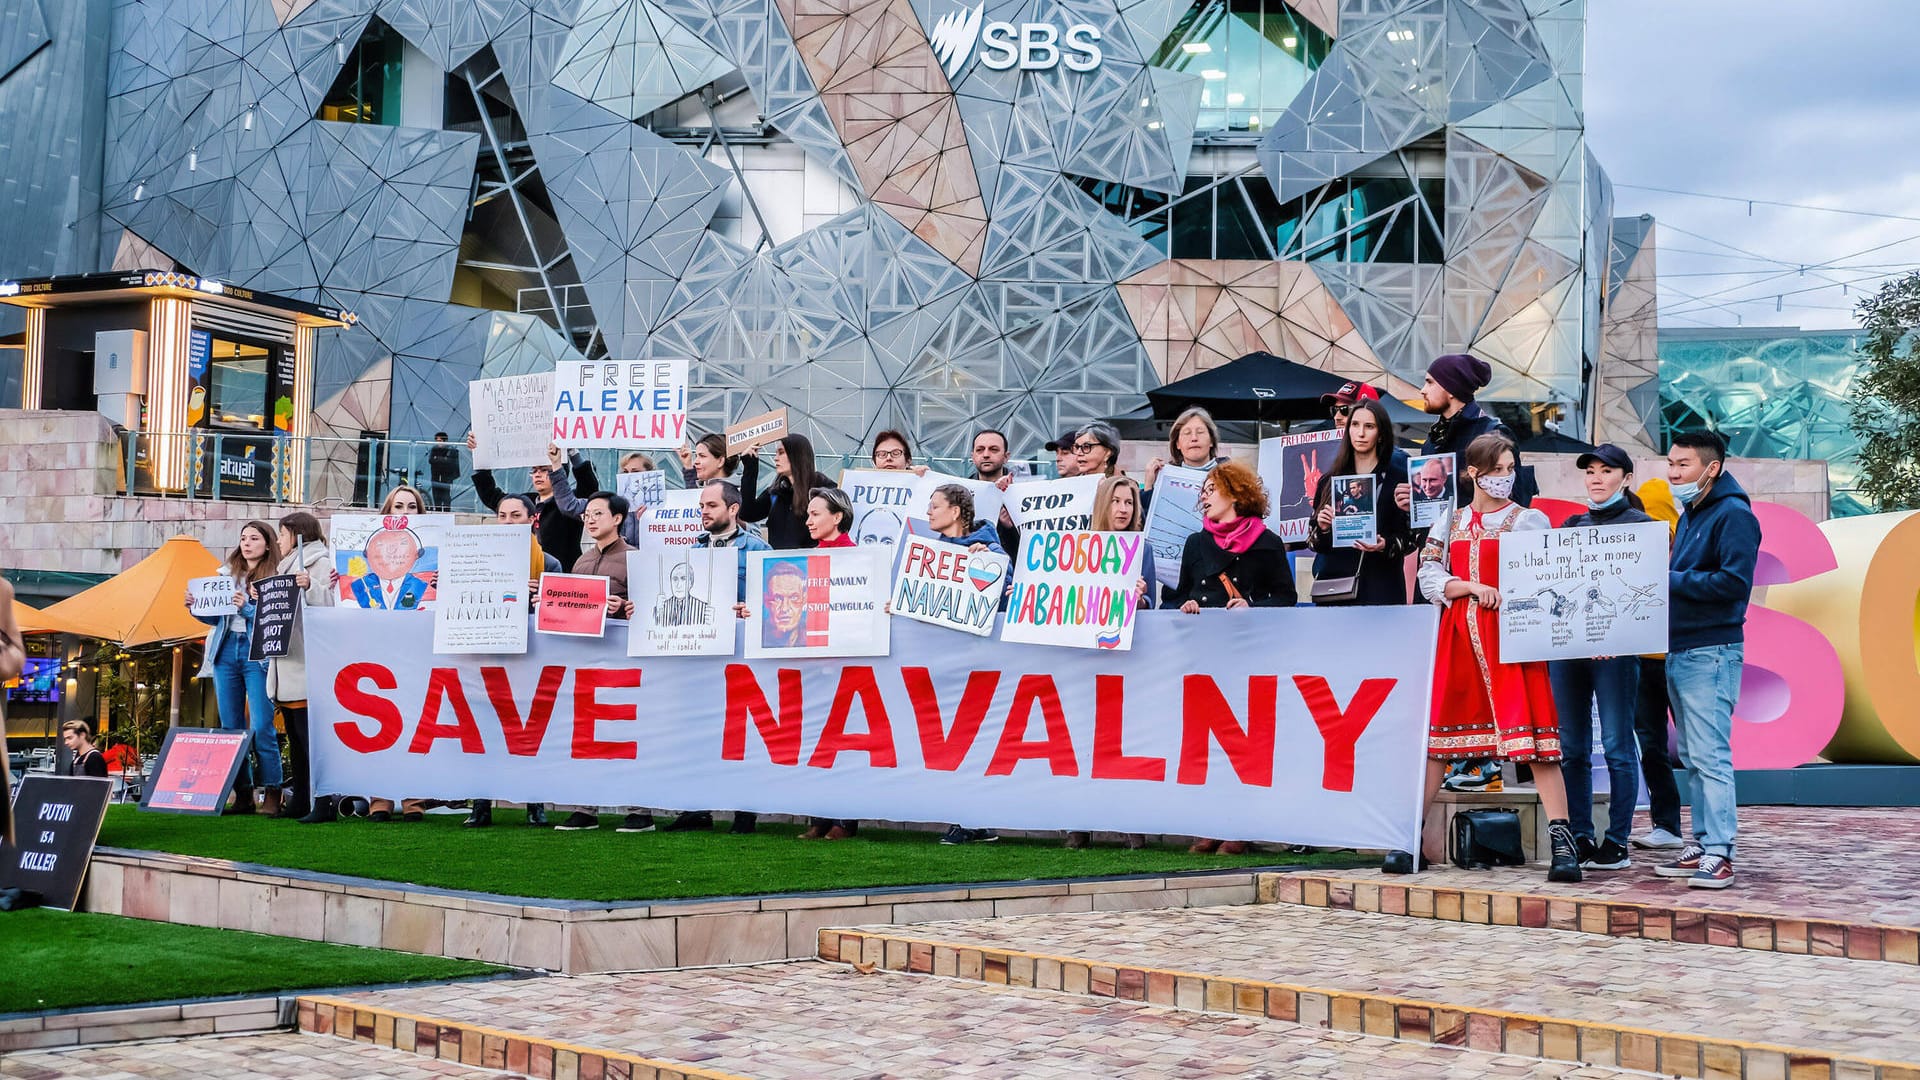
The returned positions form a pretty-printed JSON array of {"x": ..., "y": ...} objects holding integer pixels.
[{"x": 1659, "y": 839}]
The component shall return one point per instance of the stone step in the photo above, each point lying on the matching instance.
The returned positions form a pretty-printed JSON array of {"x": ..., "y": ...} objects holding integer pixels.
[
  {"x": 1678, "y": 1009},
  {"x": 817, "y": 1021},
  {"x": 279, "y": 1056}
]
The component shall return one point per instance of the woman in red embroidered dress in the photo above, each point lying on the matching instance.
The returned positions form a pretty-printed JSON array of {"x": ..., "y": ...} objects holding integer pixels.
[{"x": 1484, "y": 708}]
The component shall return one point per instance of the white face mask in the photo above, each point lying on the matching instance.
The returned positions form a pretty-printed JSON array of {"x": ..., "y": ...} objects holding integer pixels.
[{"x": 1499, "y": 487}]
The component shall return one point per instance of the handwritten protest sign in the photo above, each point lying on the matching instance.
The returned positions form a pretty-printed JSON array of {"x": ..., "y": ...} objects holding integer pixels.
[
  {"x": 947, "y": 585},
  {"x": 817, "y": 603},
  {"x": 387, "y": 562},
  {"x": 511, "y": 420},
  {"x": 755, "y": 432},
  {"x": 1173, "y": 516},
  {"x": 276, "y": 611},
  {"x": 683, "y": 601},
  {"x": 1075, "y": 589},
  {"x": 1291, "y": 466},
  {"x": 1568, "y": 594},
  {"x": 483, "y": 591},
  {"x": 1064, "y": 505},
  {"x": 574, "y": 605},
  {"x": 213, "y": 596},
  {"x": 621, "y": 403},
  {"x": 1432, "y": 479},
  {"x": 673, "y": 522},
  {"x": 641, "y": 489},
  {"x": 1356, "y": 516}
]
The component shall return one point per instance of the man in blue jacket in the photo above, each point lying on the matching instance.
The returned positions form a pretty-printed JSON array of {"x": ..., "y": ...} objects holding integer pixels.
[{"x": 1709, "y": 578}]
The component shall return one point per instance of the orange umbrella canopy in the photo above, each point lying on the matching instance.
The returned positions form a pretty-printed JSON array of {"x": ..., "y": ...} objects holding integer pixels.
[
  {"x": 32, "y": 620},
  {"x": 143, "y": 604}
]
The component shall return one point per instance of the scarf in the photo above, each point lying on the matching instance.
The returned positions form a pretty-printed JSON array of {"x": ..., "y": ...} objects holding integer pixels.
[{"x": 1237, "y": 537}]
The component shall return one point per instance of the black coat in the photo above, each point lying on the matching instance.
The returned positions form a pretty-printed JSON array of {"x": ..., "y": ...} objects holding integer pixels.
[
  {"x": 773, "y": 506},
  {"x": 1453, "y": 436},
  {"x": 1383, "y": 574},
  {"x": 559, "y": 533},
  {"x": 1263, "y": 573}
]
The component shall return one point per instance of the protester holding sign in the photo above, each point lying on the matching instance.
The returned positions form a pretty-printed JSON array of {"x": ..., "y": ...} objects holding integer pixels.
[
  {"x": 784, "y": 511},
  {"x": 891, "y": 453},
  {"x": 950, "y": 512},
  {"x": 1610, "y": 683},
  {"x": 1367, "y": 573},
  {"x": 1234, "y": 561},
  {"x": 308, "y": 559},
  {"x": 559, "y": 532},
  {"x": 1448, "y": 392},
  {"x": 1096, "y": 450},
  {"x": 708, "y": 460},
  {"x": 990, "y": 466},
  {"x": 1193, "y": 443},
  {"x": 1483, "y": 708},
  {"x": 240, "y": 684},
  {"x": 517, "y": 510},
  {"x": 575, "y": 506}
]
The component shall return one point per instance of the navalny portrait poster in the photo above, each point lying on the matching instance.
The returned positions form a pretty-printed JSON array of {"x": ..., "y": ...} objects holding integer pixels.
[{"x": 818, "y": 603}]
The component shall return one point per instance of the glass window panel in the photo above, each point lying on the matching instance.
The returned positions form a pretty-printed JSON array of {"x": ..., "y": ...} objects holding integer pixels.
[
  {"x": 1237, "y": 231},
  {"x": 1193, "y": 223},
  {"x": 1254, "y": 55}
]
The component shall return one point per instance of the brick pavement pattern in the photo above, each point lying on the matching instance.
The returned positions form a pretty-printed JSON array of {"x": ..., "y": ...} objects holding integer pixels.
[
  {"x": 241, "y": 1057},
  {"x": 813, "y": 1021},
  {"x": 1808, "y": 1002}
]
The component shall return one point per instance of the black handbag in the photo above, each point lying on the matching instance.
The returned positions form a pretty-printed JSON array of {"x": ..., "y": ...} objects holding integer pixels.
[
  {"x": 1339, "y": 590},
  {"x": 1484, "y": 838}
]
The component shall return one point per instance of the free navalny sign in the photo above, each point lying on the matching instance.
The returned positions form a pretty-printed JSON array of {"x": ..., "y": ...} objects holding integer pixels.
[{"x": 1262, "y": 723}]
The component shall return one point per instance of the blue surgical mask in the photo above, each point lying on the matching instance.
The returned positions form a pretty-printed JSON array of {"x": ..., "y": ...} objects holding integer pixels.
[
  {"x": 1618, "y": 497},
  {"x": 1684, "y": 494}
]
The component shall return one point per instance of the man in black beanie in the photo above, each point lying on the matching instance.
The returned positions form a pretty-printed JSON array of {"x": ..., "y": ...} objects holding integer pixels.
[{"x": 1448, "y": 392}]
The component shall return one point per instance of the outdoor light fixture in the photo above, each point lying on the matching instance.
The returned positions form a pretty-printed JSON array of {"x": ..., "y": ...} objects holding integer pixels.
[
  {"x": 139, "y": 191},
  {"x": 1289, "y": 42},
  {"x": 339, "y": 51},
  {"x": 246, "y": 122},
  {"x": 193, "y": 160}
]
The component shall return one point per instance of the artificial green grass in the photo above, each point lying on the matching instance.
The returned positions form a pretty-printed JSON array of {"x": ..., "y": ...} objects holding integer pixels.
[
  {"x": 57, "y": 960},
  {"x": 516, "y": 860}
]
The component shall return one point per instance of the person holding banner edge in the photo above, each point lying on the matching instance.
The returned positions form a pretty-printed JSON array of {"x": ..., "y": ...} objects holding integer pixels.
[
  {"x": 1483, "y": 708},
  {"x": 308, "y": 559},
  {"x": 950, "y": 513},
  {"x": 240, "y": 684},
  {"x": 1371, "y": 573},
  {"x": 829, "y": 517}
]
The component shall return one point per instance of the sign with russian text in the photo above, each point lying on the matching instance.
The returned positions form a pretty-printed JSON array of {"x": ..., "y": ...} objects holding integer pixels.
[
  {"x": 947, "y": 585},
  {"x": 1291, "y": 466},
  {"x": 1194, "y": 733},
  {"x": 1173, "y": 516},
  {"x": 511, "y": 421},
  {"x": 1570, "y": 594},
  {"x": 818, "y": 603},
  {"x": 673, "y": 522},
  {"x": 639, "y": 403},
  {"x": 1059, "y": 505},
  {"x": 276, "y": 611},
  {"x": 755, "y": 432},
  {"x": 683, "y": 601},
  {"x": 573, "y": 605},
  {"x": 213, "y": 596},
  {"x": 1075, "y": 589},
  {"x": 56, "y": 822},
  {"x": 483, "y": 590},
  {"x": 195, "y": 768}
]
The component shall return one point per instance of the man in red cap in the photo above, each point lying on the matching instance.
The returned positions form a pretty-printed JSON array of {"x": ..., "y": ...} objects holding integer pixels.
[{"x": 1341, "y": 401}]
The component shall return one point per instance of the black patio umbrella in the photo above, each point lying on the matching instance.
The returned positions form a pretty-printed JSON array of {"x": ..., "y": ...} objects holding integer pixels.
[
  {"x": 1553, "y": 442},
  {"x": 1265, "y": 388}
]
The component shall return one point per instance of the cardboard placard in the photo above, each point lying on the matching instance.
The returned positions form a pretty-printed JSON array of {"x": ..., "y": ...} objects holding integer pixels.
[
  {"x": 683, "y": 601},
  {"x": 511, "y": 420},
  {"x": 1570, "y": 594},
  {"x": 1291, "y": 466},
  {"x": 1356, "y": 509},
  {"x": 194, "y": 771},
  {"x": 57, "y": 823},
  {"x": 213, "y": 596},
  {"x": 573, "y": 604},
  {"x": 755, "y": 432},
  {"x": 276, "y": 611},
  {"x": 818, "y": 603},
  {"x": 483, "y": 590},
  {"x": 1432, "y": 480},
  {"x": 947, "y": 585},
  {"x": 621, "y": 403},
  {"x": 1075, "y": 589},
  {"x": 1173, "y": 516}
]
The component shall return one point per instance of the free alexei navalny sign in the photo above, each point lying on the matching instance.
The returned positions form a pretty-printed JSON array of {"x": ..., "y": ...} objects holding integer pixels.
[
  {"x": 624, "y": 403},
  {"x": 1262, "y": 724},
  {"x": 56, "y": 820}
]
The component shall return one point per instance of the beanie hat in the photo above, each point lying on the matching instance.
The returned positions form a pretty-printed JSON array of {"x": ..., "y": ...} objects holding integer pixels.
[{"x": 1461, "y": 374}]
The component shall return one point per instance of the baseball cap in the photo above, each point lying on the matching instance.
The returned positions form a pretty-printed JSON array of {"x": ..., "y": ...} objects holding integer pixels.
[
  {"x": 1606, "y": 454},
  {"x": 1349, "y": 393},
  {"x": 1065, "y": 441}
]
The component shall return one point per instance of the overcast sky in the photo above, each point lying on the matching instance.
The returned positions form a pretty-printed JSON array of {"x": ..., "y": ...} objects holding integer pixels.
[{"x": 1812, "y": 103}]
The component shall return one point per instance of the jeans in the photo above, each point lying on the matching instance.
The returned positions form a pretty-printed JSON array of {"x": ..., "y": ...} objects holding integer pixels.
[
  {"x": 1704, "y": 683},
  {"x": 1577, "y": 685},
  {"x": 240, "y": 688},
  {"x": 1656, "y": 759}
]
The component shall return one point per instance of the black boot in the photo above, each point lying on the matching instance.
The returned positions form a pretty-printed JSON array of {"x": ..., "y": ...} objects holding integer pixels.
[
  {"x": 324, "y": 810},
  {"x": 479, "y": 814},
  {"x": 536, "y": 813},
  {"x": 743, "y": 822},
  {"x": 1566, "y": 852},
  {"x": 242, "y": 802},
  {"x": 691, "y": 821}
]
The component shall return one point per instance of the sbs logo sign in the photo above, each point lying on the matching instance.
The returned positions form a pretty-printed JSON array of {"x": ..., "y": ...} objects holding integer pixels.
[{"x": 1030, "y": 46}]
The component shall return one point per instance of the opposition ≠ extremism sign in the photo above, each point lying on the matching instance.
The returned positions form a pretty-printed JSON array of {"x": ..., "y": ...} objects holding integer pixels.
[{"x": 1030, "y": 46}]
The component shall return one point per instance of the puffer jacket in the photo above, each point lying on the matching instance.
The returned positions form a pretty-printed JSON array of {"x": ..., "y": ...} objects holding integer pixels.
[{"x": 287, "y": 675}]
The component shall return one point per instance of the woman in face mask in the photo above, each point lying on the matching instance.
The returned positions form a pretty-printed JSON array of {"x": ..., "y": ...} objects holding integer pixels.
[
  {"x": 1483, "y": 708},
  {"x": 1611, "y": 681}
]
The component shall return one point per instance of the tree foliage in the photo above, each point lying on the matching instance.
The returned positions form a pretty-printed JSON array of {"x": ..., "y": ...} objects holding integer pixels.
[{"x": 1887, "y": 391}]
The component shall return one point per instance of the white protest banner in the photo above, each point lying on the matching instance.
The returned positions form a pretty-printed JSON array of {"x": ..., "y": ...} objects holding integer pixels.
[
  {"x": 883, "y": 500},
  {"x": 512, "y": 422},
  {"x": 621, "y": 403},
  {"x": 387, "y": 562},
  {"x": 755, "y": 432},
  {"x": 1356, "y": 515},
  {"x": 1291, "y": 466},
  {"x": 1173, "y": 516},
  {"x": 1569, "y": 594},
  {"x": 673, "y": 522},
  {"x": 1431, "y": 477},
  {"x": 1075, "y": 589},
  {"x": 1055, "y": 505},
  {"x": 482, "y": 592},
  {"x": 641, "y": 489},
  {"x": 1194, "y": 733},
  {"x": 683, "y": 601},
  {"x": 987, "y": 497},
  {"x": 212, "y": 595},
  {"x": 947, "y": 585},
  {"x": 818, "y": 603}
]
